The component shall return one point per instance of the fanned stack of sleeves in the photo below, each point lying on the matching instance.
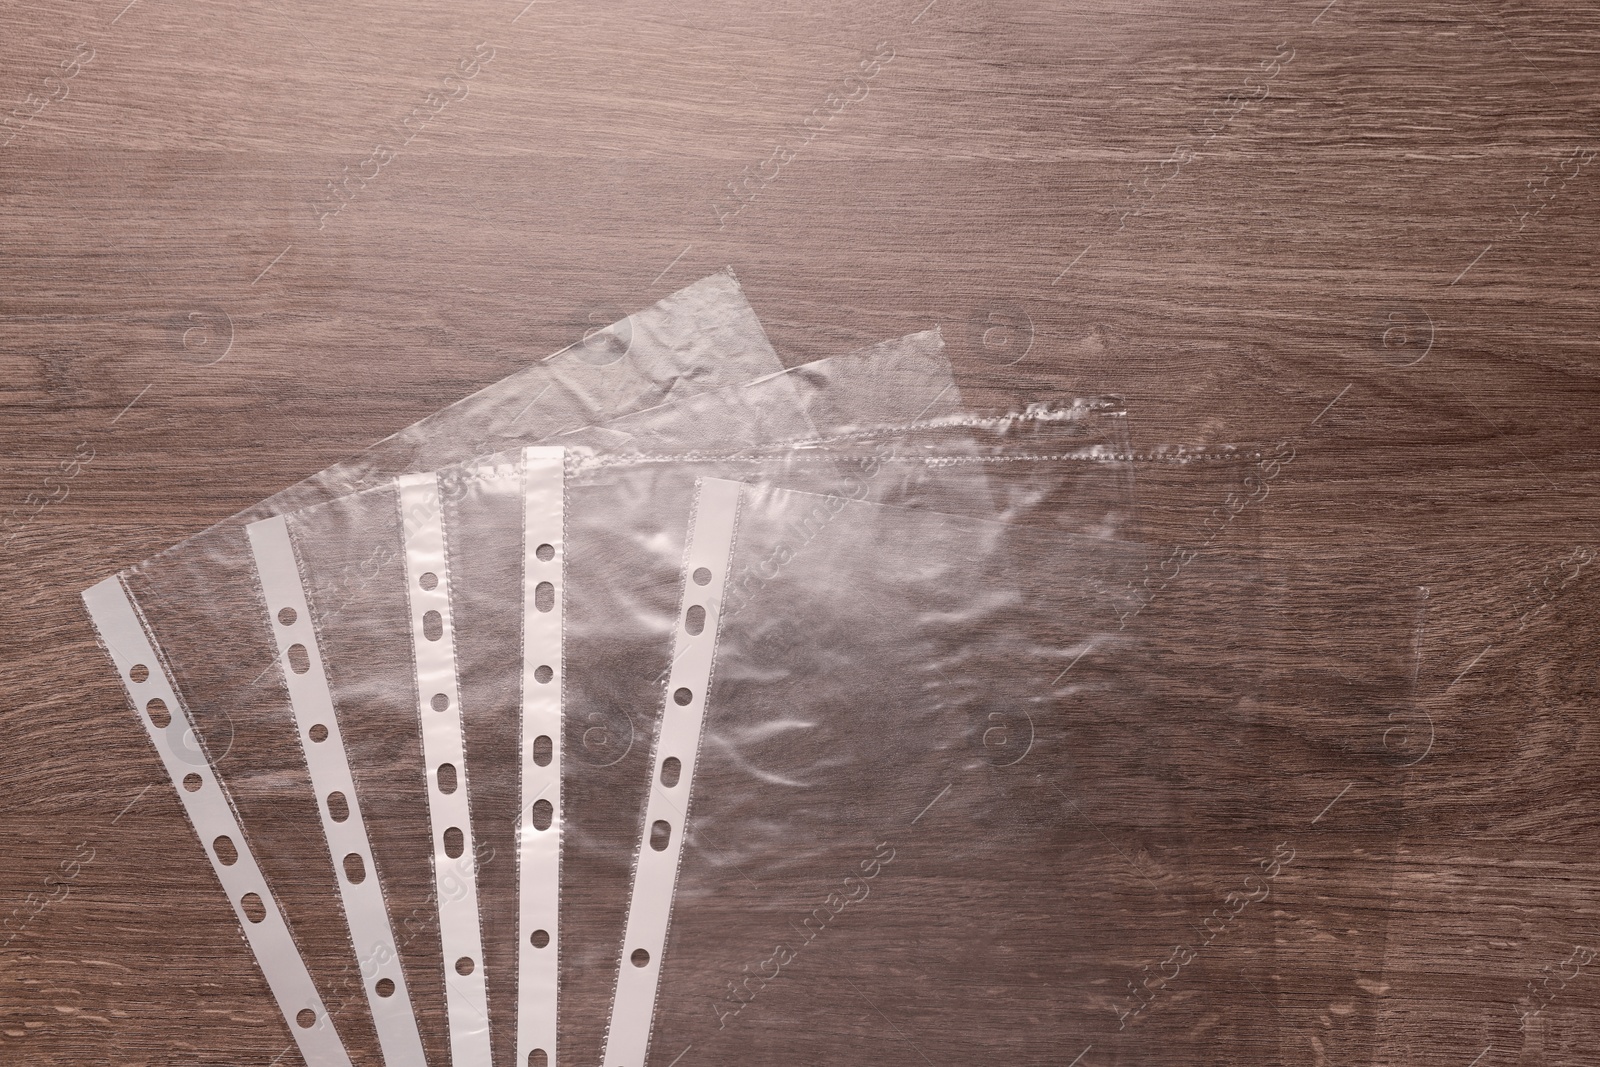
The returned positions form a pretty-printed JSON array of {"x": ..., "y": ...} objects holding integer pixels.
[{"x": 658, "y": 705}]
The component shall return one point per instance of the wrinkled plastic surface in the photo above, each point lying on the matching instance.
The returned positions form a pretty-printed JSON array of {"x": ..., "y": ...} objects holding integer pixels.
[
  {"x": 897, "y": 380},
  {"x": 968, "y": 792},
  {"x": 200, "y": 603},
  {"x": 906, "y": 378},
  {"x": 349, "y": 552},
  {"x": 877, "y": 810},
  {"x": 645, "y": 499},
  {"x": 1065, "y": 468}
]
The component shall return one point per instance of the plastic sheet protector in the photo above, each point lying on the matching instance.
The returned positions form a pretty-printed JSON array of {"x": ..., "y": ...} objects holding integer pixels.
[
  {"x": 929, "y": 783},
  {"x": 697, "y": 340},
  {"x": 389, "y": 546}
]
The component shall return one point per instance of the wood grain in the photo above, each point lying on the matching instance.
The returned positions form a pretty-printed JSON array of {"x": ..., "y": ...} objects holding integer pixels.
[{"x": 1381, "y": 248}]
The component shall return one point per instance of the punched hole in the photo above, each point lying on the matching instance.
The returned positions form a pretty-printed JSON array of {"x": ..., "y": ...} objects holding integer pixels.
[
  {"x": 702, "y": 576},
  {"x": 543, "y": 674},
  {"x": 660, "y": 835},
  {"x": 306, "y": 1018},
  {"x": 338, "y": 807},
  {"x": 299, "y": 658},
  {"x": 670, "y": 769},
  {"x": 545, "y": 552},
  {"x": 159, "y": 715},
  {"x": 454, "y": 842},
  {"x": 543, "y": 750},
  {"x": 543, "y": 813},
  {"x": 640, "y": 957},
  {"x": 253, "y": 908},
  {"x": 694, "y": 620},
  {"x": 227, "y": 855},
  {"x": 384, "y": 987},
  {"x": 286, "y": 617},
  {"x": 440, "y": 701},
  {"x": 138, "y": 673},
  {"x": 537, "y": 1058},
  {"x": 355, "y": 869},
  {"x": 544, "y": 596},
  {"x": 447, "y": 778},
  {"x": 429, "y": 581},
  {"x": 540, "y": 938},
  {"x": 464, "y": 966},
  {"x": 318, "y": 732},
  {"x": 682, "y": 696},
  {"x": 192, "y": 782},
  {"x": 432, "y": 625}
]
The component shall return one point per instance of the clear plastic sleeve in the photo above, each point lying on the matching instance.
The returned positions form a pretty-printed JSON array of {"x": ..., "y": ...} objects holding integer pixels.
[
  {"x": 1065, "y": 468},
  {"x": 366, "y": 648},
  {"x": 947, "y": 788},
  {"x": 880, "y": 707},
  {"x": 352, "y": 559},
  {"x": 211, "y": 652},
  {"x": 890, "y": 382}
]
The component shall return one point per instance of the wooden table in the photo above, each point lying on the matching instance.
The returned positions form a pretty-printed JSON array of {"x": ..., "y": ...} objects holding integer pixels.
[{"x": 1361, "y": 228}]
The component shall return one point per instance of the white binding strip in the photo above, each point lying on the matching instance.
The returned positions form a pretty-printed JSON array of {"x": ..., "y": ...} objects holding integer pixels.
[
  {"x": 655, "y": 870},
  {"x": 455, "y": 877},
  {"x": 211, "y": 815},
  {"x": 365, "y": 911},
  {"x": 539, "y": 850}
]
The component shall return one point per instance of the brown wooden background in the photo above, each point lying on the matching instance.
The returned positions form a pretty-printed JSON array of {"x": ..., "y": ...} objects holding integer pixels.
[{"x": 1366, "y": 228}]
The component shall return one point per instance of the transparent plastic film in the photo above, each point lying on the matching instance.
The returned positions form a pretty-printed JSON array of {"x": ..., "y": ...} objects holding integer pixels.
[
  {"x": 445, "y": 827},
  {"x": 699, "y": 339},
  {"x": 811, "y": 768},
  {"x": 626, "y": 523},
  {"x": 926, "y": 789},
  {"x": 491, "y": 524},
  {"x": 895, "y": 381},
  {"x": 202, "y": 607}
]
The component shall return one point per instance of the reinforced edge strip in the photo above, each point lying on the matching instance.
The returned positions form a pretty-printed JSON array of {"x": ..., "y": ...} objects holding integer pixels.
[
  {"x": 539, "y": 826},
  {"x": 443, "y": 746},
  {"x": 366, "y": 911},
  {"x": 656, "y": 857},
  {"x": 210, "y": 812}
]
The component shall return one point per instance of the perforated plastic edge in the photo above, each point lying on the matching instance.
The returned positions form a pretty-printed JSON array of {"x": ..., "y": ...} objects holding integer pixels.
[
  {"x": 539, "y": 851},
  {"x": 211, "y": 814},
  {"x": 455, "y": 876},
  {"x": 655, "y": 871},
  {"x": 365, "y": 910}
]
